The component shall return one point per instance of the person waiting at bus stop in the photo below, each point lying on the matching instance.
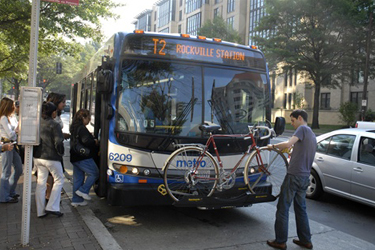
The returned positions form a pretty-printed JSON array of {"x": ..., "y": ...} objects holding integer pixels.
[
  {"x": 295, "y": 183},
  {"x": 47, "y": 159},
  {"x": 8, "y": 132},
  {"x": 82, "y": 164}
]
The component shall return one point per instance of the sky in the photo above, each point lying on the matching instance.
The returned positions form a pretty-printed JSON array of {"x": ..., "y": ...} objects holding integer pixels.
[{"x": 127, "y": 13}]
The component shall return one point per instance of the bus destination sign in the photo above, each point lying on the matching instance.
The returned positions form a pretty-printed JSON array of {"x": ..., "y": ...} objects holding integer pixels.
[{"x": 195, "y": 50}]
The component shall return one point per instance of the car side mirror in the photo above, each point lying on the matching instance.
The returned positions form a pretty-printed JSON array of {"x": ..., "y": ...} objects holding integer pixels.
[{"x": 279, "y": 125}]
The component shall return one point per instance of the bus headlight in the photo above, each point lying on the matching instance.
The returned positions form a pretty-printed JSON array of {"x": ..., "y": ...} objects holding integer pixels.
[
  {"x": 109, "y": 172},
  {"x": 135, "y": 171},
  {"x": 146, "y": 172}
]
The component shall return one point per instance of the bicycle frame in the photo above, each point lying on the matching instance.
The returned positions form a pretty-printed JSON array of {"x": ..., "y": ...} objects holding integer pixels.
[{"x": 211, "y": 140}]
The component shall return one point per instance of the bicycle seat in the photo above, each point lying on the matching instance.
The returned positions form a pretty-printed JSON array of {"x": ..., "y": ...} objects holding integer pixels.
[{"x": 209, "y": 128}]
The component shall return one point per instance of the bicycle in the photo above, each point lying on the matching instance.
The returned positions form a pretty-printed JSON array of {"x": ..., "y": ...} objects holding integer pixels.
[{"x": 193, "y": 171}]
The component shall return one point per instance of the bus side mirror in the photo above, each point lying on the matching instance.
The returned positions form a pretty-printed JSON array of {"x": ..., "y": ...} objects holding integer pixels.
[
  {"x": 105, "y": 81},
  {"x": 279, "y": 125}
]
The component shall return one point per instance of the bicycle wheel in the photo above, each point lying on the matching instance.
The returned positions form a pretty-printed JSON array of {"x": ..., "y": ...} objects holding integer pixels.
[
  {"x": 180, "y": 177},
  {"x": 273, "y": 171}
]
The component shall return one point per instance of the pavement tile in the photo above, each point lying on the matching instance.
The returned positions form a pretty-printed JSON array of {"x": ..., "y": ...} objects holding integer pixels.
[{"x": 68, "y": 232}]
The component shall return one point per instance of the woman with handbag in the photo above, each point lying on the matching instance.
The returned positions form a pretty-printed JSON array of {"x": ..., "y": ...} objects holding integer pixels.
[
  {"x": 82, "y": 150},
  {"x": 8, "y": 129},
  {"x": 47, "y": 159}
]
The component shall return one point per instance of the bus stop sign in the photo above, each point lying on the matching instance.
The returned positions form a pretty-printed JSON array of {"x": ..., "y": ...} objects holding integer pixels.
[{"x": 70, "y": 2}]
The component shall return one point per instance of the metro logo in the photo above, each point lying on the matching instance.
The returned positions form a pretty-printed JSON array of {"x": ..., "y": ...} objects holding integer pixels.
[{"x": 189, "y": 163}]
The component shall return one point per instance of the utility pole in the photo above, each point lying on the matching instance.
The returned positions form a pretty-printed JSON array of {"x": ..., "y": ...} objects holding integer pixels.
[{"x": 365, "y": 80}]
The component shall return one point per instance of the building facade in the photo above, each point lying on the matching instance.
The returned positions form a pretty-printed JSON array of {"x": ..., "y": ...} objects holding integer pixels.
[{"x": 290, "y": 89}]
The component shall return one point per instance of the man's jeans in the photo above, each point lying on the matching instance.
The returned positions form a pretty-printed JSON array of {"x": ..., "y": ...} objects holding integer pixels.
[
  {"x": 89, "y": 167},
  {"x": 293, "y": 189}
]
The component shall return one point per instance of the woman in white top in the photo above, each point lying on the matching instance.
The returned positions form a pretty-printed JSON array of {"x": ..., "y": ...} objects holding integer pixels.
[{"x": 11, "y": 158}]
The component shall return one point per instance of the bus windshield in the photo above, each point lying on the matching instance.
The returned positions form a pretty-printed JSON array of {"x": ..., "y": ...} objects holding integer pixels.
[{"x": 170, "y": 98}]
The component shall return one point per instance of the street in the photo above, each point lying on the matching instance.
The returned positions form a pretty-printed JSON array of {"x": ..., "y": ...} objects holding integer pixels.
[{"x": 238, "y": 228}]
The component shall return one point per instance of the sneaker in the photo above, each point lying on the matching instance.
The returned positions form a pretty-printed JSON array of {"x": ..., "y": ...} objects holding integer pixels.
[
  {"x": 12, "y": 200},
  {"x": 77, "y": 204},
  {"x": 83, "y": 195}
]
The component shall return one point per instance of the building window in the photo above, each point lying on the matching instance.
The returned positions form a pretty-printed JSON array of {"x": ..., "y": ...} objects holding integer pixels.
[
  {"x": 180, "y": 15},
  {"x": 179, "y": 28},
  {"x": 285, "y": 77},
  {"x": 295, "y": 77},
  {"x": 166, "y": 13},
  {"x": 217, "y": 1},
  {"x": 257, "y": 11},
  {"x": 181, "y": 2},
  {"x": 166, "y": 30},
  {"x": 156, "y": 14},
  {"x": 192, "y": 5},
  {"x": 230, "y": 6},
  {"x": 144, "y": 22},
  {"x": 325, "y": 99},
  {"x": 216, "y": 12},
  {"x": 155, "y": 27},
  {"x": 193, "y": 24},
  {"x": 356, "y": 97},
  {"x": 290, "y": 95},
  {"x": 285, "y": 97},
  {"x": 230, "y": 22},
  {"x": 290, "y": 77}
]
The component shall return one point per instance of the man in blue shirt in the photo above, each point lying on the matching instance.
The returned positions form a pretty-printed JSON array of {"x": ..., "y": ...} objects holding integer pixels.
[{"x": 295, "y": 183}]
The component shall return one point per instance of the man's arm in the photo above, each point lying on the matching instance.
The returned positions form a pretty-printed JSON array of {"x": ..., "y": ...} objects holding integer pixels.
[{"x": 285, "y": 144}]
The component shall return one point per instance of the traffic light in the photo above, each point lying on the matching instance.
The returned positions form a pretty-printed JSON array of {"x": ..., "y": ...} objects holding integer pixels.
[{"x": 58, "y": 68}]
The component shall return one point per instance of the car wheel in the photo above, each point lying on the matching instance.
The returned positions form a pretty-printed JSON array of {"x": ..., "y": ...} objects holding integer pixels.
[{"x": 314, "y": 190}]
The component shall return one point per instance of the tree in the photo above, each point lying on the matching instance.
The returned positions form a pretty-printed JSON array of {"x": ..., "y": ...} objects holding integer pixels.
[
  {"x": 348, "y": 113},
  {"x": 60, "y": 27},
  {"x": 49, "y": 80},
  {"x": 218, "y": 28},
  {"x": 312, "y": 36}
]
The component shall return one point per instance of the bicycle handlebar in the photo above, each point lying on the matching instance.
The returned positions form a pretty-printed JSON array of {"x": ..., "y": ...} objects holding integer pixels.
[{"x": 270, "y": 131}]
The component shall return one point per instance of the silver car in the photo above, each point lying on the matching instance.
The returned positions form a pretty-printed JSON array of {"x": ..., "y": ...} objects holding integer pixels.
[{"x": 344, "y": 165}]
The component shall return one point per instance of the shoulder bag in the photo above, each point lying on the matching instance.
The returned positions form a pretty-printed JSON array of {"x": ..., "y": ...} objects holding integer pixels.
[{"x": 79, "y": 148}]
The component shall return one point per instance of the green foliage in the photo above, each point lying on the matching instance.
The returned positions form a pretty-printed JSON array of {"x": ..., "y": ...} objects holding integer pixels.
[
  {"x": 370, "y": 115},
  {"x": 348, "y": 112},
  {"x": 218, "y": 28},
  {"x": 61, "y": 83},
  {"x": 312, "y": 36},
  {"x": 298, "y": 101},
  {"x": 60, "y": 27}
]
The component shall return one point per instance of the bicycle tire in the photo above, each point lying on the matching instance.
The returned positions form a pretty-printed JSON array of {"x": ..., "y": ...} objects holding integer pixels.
[
  {"x": 177, "y": 173},
  {"x": 275, "y": 164}
]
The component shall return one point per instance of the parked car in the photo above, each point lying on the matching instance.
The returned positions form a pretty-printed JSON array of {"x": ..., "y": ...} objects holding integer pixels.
[
  {"x": 360, "y": 124},
  {"x": 344, "y": 165}
]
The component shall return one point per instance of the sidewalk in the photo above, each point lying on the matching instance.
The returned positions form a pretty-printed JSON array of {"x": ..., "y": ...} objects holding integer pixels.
[{"x": 67, "y": 232}]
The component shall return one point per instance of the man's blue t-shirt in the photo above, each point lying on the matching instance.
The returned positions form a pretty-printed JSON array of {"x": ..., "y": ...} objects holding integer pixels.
[{"x": 303, "y": 152}]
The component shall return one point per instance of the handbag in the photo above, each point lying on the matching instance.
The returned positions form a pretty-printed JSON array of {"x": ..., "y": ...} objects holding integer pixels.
[{"x": 79, "y": 148}]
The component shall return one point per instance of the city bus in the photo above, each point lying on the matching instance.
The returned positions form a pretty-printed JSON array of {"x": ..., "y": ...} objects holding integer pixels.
[{"x": 148, "y": 92}]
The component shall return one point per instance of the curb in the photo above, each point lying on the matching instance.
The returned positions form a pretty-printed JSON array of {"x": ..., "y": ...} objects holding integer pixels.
[{"x": 100, "y": 232}]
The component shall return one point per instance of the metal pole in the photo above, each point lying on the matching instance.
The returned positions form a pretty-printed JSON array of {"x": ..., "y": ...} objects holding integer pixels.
[{"x": 26, "y": 201}]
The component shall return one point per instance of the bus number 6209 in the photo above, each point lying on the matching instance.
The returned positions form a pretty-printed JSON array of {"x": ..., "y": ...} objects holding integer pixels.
[{"x": 120, "y": 157}]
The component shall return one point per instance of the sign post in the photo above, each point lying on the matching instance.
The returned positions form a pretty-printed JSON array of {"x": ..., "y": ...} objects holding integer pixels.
[
  {"x": 31, "y": 101},
  {"x": 26, "y": 200}
]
